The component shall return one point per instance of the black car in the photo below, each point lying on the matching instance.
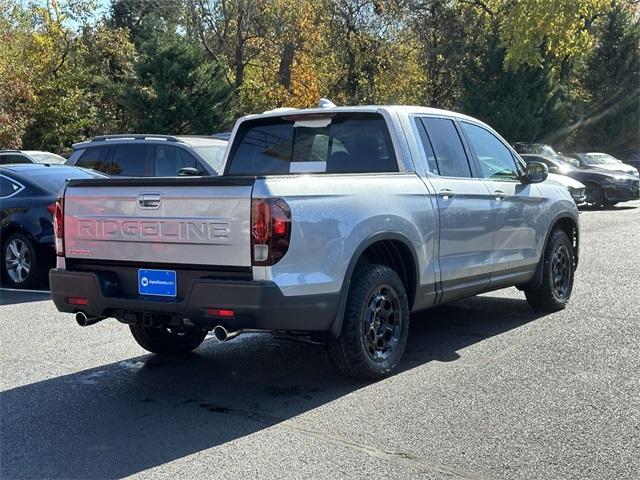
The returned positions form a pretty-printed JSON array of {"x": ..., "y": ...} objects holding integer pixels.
[
  {"x": 604, "y": 188},
  {"x": 27, "y": 203}
]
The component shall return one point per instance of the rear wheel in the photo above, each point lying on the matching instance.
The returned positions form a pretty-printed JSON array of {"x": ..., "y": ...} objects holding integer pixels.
[
  {"x": 375, "y": 327},
  {"x": 20, "y": 266},
  {"x": 557, "y": 275},
  {"x": 168, "y": 340}
]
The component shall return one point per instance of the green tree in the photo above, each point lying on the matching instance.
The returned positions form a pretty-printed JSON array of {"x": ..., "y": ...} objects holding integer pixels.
[
  {"x": 610, "y": 118},
  {"x": 177, "y": 88},
  {"x": 523, "y": 104}
]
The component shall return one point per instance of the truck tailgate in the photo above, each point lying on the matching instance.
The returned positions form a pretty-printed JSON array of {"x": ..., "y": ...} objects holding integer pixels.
[{"x": 195, "y": 221}]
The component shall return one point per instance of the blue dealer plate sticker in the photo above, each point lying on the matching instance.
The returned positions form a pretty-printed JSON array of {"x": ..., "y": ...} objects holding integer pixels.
[{"x": 157, "y": 282}]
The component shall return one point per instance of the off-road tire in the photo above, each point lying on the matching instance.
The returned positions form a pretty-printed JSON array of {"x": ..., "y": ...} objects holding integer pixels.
[
  {"x": 549, "y": 297},
  {"x": 348, "y": 352},
  {"x": 164, "y": 341}
]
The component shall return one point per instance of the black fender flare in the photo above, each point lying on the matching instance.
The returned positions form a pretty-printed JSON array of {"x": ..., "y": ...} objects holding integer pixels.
[
  {"x": 536, "y": 281},
  {"x": 355, "y": 258}
]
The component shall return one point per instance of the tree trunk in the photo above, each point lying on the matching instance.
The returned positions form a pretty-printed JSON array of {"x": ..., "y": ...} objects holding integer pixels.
[{"x": 287, "y": 55}]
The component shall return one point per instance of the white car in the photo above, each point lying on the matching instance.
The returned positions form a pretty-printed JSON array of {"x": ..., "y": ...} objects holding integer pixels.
[{"x": 29, "y": 156}]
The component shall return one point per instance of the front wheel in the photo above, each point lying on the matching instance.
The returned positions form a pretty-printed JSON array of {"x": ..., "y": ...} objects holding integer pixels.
[
  {"x": 557, "y": 275},
  {"x": 167, "y": 340},
  {"x": 595, "y": 196},
  {"x": 375, "y": 327}
]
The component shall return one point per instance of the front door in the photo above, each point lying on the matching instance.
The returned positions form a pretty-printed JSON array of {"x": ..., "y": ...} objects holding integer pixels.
[{"x": 519, "y": 218}]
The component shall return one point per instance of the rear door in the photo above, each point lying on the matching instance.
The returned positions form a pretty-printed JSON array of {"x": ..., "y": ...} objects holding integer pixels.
[
  {"x": 464, "y": 207},
  {"x": 520, "y": 221},
  {"x": 179, "y": 221}
]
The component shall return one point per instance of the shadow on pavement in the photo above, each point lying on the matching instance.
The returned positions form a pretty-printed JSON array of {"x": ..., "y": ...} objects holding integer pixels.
[{"x": 129, "y": 416}]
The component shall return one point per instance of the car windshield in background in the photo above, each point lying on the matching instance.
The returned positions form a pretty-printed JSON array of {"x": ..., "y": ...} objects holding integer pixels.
[
  {"x": 46, "y": 157},
  {"x": 600, "y": 159},
  {"x": 213, "y": 155},
  {"x": 566, "y": 161},
  {"x": 535, "y": 149},
  {"x": 338, "y": 143}
]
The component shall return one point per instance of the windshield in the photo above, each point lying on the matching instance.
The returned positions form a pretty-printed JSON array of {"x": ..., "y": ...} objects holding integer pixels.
[
  {"x": 600, "y": 159},
  {"x": 46, "y": 157},
  {"x": 567, "y": 161},
  {"x": 535, "y": 149},
  {"x": 213, "y": 155}
]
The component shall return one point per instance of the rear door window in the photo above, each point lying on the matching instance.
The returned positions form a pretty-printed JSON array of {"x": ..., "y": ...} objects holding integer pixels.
[
  {"x": 8, "y": 187},
  {"x": 131, "y": 160},
  {"x": 336, "y": 143},
  {"x": 94, "y": 158},
  {"x": 450, "y": 157},
  {"x": 170, "y": 160}
]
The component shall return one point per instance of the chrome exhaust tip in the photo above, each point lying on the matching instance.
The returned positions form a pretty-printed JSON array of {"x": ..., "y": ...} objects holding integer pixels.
[
  {"x": 84, "y": 321},
  {"x": 222, "y": 334}
]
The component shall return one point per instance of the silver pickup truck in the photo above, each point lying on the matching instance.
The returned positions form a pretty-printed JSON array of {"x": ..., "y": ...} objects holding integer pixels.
[{"x": 334, "y": 223}]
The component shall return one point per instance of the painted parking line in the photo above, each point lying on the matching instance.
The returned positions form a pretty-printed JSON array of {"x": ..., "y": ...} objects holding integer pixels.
[{"x": 24, "y": 290}]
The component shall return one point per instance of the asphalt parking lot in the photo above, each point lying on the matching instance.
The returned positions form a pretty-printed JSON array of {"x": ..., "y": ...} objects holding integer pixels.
[{"x": 487, "y": 389}]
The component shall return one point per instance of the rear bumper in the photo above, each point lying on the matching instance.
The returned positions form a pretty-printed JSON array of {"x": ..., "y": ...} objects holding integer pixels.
[{"x": 256, "y": 305}]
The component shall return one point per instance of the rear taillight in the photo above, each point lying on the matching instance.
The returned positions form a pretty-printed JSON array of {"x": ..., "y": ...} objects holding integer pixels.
[
  {"x": 58, "y": 226},
  {"x": 52, "y": 209},
  {"x": 270, "y": 230}
]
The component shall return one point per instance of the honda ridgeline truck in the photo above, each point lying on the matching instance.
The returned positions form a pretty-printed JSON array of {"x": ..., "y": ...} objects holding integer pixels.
[{"x": 334, "y": 223}]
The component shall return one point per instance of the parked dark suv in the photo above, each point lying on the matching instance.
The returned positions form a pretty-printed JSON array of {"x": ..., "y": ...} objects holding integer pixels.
[{"x": 150, "y": 155}]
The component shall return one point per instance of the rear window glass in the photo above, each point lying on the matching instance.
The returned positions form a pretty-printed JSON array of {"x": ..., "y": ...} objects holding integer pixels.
[{"x": 338, "y": 143}]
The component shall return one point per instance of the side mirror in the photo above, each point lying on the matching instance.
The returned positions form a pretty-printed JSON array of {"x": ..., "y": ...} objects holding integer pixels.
[
  {"x": 188, "y": 172},
  {"x": 536, "y": 172}
]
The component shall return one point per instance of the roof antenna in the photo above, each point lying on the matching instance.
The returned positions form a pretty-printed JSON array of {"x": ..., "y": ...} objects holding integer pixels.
[{"x": 326, "y": 103}]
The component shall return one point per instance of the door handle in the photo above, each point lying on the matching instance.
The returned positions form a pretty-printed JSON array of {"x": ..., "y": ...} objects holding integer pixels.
[
  {"x": 500, "y": 195},
  {"x": 446, "y": 193},
  {"x": 149, "y": 200}
]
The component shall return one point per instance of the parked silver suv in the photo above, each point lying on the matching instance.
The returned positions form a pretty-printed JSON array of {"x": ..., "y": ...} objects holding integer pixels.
[
  {"x": 142, "y": 155},
  {"x": 332, "y": 222}
]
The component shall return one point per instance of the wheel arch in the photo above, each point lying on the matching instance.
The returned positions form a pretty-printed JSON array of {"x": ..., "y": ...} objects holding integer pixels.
[
  {"x": 569, "y": 225},
  {"x": 392, "y": 249},
  {"x": 10, "y": 229}
]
